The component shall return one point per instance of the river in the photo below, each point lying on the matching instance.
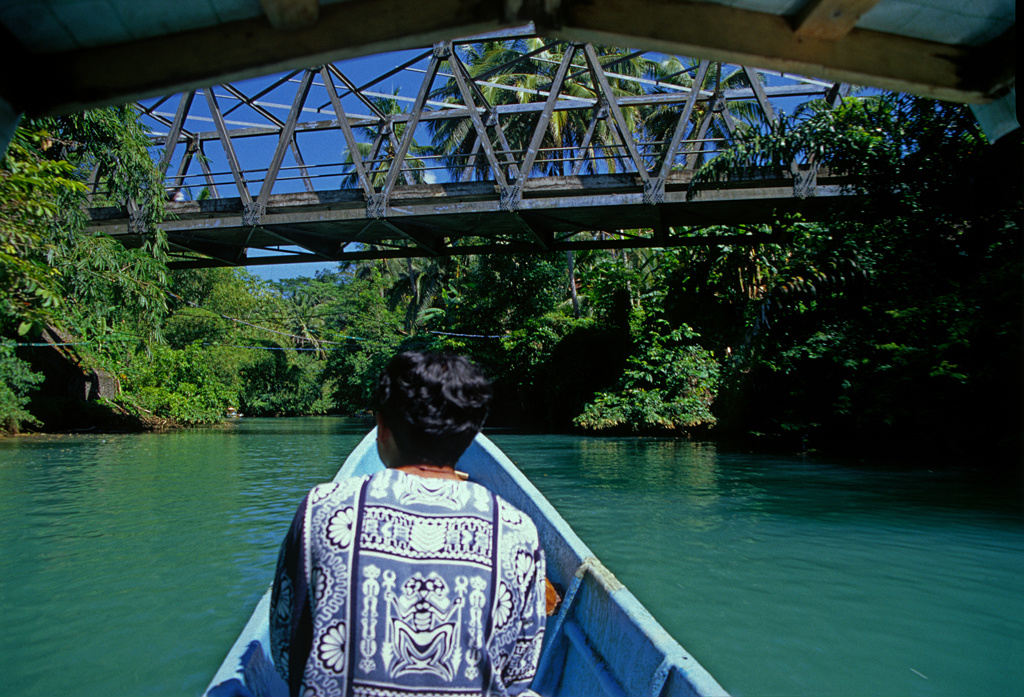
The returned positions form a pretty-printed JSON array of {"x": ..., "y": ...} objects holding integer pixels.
[{"x": 129, "y": 563}]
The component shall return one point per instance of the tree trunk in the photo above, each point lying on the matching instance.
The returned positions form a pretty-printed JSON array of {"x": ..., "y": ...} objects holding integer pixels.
[{"x": 571, "y": 261}]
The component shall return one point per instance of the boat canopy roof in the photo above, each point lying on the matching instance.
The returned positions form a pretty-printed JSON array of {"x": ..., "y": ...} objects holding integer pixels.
[{"x": 65, "y": 55}]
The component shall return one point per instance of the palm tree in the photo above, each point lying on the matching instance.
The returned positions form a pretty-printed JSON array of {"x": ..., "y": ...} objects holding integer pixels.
[
  {"x": 420, "y": 284},
  {"x": 420, "y": 288},
  {"x": 712, "y": 119},
  {"x": 505, "y": 77},
  {"x": 585, "y": 140},
  {"x": 306, "y": 322},
  {"x": 576, "y": 140},
  {"x": 378, "y": 154}
]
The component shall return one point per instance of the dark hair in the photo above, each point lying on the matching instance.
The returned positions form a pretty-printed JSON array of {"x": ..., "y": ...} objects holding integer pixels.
[{"x": 434, "y": 404}]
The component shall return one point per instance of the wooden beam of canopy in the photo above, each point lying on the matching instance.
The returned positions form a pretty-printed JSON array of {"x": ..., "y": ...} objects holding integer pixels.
[
  {"x": 733, "y": 35},
  {"x": 232, "y": 51},
  {"x": 821, "y": 40},
  {"x": 289, "y": 15},
  {"x": 830, "y": 19}
]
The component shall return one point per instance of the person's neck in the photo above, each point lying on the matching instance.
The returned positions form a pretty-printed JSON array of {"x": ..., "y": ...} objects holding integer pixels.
[{"x": 431, "y": 471}]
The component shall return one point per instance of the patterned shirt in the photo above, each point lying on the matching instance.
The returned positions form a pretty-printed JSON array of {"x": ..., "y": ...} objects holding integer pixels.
[{"x": 397, "y": 584}]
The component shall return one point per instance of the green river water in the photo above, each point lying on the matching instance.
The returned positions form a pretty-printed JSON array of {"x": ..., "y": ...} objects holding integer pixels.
[{"x": 129, "y": 563}]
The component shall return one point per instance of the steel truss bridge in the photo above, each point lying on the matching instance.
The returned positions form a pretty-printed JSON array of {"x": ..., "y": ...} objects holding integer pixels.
[{"x": 331, "y": 164}]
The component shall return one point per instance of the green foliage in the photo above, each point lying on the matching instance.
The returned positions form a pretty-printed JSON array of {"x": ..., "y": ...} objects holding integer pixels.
[
  {"x": 32, "y": 190},
  {"x": 897, "y": 322},
  {"x": 51, "y": 272},
  {"x": 211, "y": 305},
  {"x": 104, "y": 284},
  {"x": 249, "y": 329},
  {"x": 427, "y": 289},
  {"x": 109, "y": 298},
  {"x": 273, "y": 385},
  {"x": 669, "y": 384},
  {"x": 509, "y": 290},
  {"x": 113, "y": 139},
  {"x": 178, "y": 384},
  {"x": 623, "y": 283},
  {"x": 190, "y": 325},
  {"x": 370, "y": 332},
  {"x": 110, "y": 289},
  {"x": 16, "y": 381}
]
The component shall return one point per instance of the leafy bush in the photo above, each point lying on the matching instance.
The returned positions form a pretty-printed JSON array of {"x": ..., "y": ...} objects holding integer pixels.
[
  {"x": 178, "y": 384},
  {"x": 32, "y": 188},
  {"x": 668, "y": 385},
  {"x": 191, "y": 325},
  {"x": 372, "y": 336},
  {"x": 273, "y": 385},
  {"x": 508, "y": 291},
  {"x": 16, "y": 381}
]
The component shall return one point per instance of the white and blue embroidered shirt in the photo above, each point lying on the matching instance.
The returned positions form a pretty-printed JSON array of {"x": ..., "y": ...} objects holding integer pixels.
[{"x": 402, "y": 585}]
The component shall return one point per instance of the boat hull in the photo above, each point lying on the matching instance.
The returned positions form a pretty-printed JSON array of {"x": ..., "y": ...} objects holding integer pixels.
[{"x": 602, "y": 641}]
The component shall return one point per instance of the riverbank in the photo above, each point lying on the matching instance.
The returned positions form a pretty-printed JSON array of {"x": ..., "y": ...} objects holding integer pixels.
[
  {"x": 69, "y": 415},
  {"x": 997, "y": 460}
]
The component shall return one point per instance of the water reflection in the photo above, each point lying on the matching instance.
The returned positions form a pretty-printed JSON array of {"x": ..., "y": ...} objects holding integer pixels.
[
  {"x": 146, "y": 546},
  {"x": 798, "y": 577}
]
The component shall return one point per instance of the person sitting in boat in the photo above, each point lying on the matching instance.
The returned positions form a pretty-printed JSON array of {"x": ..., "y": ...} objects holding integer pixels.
[{"x": 412, "y": 580}]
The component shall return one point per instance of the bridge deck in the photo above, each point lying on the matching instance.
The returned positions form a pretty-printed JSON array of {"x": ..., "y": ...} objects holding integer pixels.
[{"x": 555, "y": 213}]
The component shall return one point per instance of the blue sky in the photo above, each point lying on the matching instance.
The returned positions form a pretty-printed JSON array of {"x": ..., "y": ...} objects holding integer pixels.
[{"x": 276, "y": 272}]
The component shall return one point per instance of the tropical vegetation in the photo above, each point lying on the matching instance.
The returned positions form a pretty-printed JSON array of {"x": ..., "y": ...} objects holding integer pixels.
[{"x": 894, "y": 324}]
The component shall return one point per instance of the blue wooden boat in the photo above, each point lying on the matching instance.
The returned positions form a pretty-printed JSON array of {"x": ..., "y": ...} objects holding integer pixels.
[{"x": 602, "y": 641}]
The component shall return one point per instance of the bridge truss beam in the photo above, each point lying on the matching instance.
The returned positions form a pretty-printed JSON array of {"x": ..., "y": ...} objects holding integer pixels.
[{"x": 600, "y": 152}]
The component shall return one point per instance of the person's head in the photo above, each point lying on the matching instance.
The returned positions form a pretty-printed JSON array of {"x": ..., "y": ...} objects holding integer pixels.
[{"x": 432, "y": 405}]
